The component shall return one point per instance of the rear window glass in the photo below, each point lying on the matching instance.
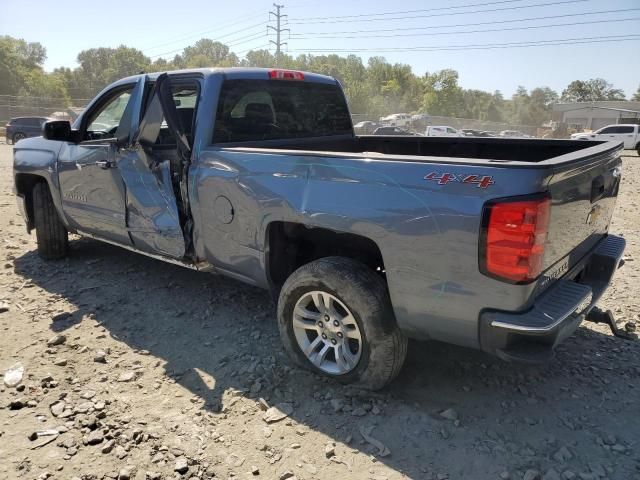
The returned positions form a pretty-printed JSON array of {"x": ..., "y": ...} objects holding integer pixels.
[{"x": 251, "y": 110}]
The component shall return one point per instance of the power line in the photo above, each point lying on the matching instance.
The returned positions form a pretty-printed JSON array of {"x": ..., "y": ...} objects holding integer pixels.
[
  {"x": 486, "y": 46},
  {"x": 244, "y": 19},
  {"x": 247, "y": 39},
  {"x": 261, "y": 47},
  {"x": 517, "y": 7},
  {"x": 503, "y": 29},
  {"x": 484, "y": 4},
  {"x": 474, "y": 24},
  {"x": 261, "y": 24}
]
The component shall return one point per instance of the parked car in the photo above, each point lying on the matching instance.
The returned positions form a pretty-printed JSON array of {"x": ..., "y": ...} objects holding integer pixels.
[
  {"x": 442, "y": 131},
  {"x": 24, "y": 127},
  {"x": 514, "y": 134},
  {"x": 392, "y": 131},
  {"x": 628, "y": 134},
  {"x": 363, "y": 241},
  {"x": 470, "y": 132},
  {"x": 366, "y": 127},
  {"x": 397, "y": 120}
]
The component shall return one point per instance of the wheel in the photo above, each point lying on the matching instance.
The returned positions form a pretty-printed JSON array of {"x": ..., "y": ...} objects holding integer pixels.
[
  {"x": 638, "y": 148},
  {"x": 17, "y": 137},
  {"x": 51, "y": 234},
  {"x": 335, "y": 318}
]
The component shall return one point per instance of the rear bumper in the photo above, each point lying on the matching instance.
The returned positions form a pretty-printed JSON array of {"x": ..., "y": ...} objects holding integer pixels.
[{"x": 531, "y": 336}]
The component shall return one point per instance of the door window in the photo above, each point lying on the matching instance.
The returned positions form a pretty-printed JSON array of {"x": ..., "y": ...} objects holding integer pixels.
[
  {"x": 608, "y": 130},
  {"x": 626, "y": 129},
  {"x": 104, "y": 121}
]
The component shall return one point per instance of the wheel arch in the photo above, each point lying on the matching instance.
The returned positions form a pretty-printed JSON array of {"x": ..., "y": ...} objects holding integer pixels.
[
  {"x": 24, "y": 185},
  {"x": 289, "y": 245}
]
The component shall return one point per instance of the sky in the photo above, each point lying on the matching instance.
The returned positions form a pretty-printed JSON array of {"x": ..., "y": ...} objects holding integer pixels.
[{"x": 428, "y": 35}]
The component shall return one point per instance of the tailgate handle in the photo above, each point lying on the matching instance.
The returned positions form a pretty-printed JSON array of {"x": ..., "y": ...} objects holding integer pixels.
[{"x": 597, "y": 188}]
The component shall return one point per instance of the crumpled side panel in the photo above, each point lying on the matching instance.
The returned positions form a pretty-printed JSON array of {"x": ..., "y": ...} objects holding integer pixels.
[{"x": 152, "y": 212}]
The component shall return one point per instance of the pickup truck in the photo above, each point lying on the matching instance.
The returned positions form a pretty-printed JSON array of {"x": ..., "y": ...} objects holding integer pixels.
[
  {"x": 365, "y": 241},
  {"x": 628, "y": 134}
]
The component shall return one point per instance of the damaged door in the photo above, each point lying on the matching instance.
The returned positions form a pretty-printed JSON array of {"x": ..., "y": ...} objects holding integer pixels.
[
  {"x": 152, "y": 169},
  {"x": 93, "y": 192}
]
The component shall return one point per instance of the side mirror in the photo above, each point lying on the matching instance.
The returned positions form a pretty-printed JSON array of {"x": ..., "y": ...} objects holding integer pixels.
[{"x": 59, "y": 130}]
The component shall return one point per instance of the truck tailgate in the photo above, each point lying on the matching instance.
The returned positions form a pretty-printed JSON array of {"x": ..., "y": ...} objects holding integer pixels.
[{"x": 583, "y": 196}]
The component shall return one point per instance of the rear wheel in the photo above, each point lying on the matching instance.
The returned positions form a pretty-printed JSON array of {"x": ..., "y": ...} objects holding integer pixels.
[
  {"x": 335, "y": 318},
  {"x": 17, "y": 137},
  {"x": 51, "y": 234}
]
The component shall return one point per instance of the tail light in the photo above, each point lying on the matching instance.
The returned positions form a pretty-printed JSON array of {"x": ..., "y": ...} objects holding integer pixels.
[
  {"x": 286, "y": 75},
  {"x": 513, "y": 238}
]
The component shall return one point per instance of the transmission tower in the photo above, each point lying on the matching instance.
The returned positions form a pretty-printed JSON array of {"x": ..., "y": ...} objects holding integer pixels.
[{"x": 278, "y": 29}]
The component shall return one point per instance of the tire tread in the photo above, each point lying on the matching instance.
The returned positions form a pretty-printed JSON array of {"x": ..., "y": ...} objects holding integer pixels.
[
  {"x": 51, "y": 235},
  {"x": 387, "y": 344}
]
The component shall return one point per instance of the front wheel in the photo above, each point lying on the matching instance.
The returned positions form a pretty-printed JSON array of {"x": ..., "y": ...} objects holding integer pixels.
[
  {"x": 51, "y": 234},
  {"x": 335, "y": 318}
]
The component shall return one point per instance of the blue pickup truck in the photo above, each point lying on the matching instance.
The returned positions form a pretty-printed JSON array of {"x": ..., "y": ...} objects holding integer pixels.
[{"x": 365, "y": 241}]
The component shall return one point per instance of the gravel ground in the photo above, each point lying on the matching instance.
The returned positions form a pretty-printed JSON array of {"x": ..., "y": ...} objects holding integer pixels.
[{"x": 132, "y": 368}]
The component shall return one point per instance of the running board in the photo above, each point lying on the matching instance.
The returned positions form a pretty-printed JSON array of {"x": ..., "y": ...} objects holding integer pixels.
[{"x": 200, "y": 266}]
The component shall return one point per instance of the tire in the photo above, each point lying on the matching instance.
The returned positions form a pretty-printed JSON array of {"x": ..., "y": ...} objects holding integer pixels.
[
  {"x": 17, "y": 137},
  {"x": 382, "y": 347},
  {"x": 51, "y": 234}
]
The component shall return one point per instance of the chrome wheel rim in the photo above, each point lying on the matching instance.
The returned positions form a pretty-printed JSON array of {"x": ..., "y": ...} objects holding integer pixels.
[{"x": 327, "y": 332}]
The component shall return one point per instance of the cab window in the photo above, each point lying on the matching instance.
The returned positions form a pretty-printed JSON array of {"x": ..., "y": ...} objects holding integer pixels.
[{"x": 250, "y": 110}]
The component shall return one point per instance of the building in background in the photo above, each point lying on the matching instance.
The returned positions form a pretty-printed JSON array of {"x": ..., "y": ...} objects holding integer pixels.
[{"x": 595, "y": 115}]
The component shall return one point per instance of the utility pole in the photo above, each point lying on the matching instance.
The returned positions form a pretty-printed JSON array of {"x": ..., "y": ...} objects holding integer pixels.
[{"x": 278, "y": 29}]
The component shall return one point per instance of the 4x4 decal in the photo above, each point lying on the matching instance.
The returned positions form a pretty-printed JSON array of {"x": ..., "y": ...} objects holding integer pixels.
[{"x": 481, "y": 181}]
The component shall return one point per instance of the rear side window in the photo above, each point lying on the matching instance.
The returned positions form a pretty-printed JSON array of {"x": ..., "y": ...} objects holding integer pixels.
[{"x": 250, "y": 110}]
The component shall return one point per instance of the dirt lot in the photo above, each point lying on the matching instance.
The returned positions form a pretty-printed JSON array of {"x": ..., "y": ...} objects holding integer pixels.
[{"x": 146, "y": 370}]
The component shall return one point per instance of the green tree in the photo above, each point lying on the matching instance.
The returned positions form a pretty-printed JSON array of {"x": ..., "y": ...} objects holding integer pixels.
[
  {"x": 20, "y": 62},
  {"x": 206, "y": 53},
  {"x": 636, "y": 96},
  {"x": 442, "y": 94},
  {"x": 591, "y": 90}
]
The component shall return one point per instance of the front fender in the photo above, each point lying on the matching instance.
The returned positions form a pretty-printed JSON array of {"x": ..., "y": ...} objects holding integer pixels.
[{"x": 35, "y": 159}]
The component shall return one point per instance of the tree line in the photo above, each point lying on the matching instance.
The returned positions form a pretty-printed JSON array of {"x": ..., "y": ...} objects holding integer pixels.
[{"x": 375, "y": 88}]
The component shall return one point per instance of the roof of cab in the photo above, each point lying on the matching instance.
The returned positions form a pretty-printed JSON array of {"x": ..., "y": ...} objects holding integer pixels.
[{"x": 235, "y": 73}]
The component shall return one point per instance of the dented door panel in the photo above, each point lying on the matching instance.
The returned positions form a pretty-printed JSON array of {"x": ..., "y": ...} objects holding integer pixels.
[
  {"x": 153, "y": 219},
  {"x": 152, "y": 213}
]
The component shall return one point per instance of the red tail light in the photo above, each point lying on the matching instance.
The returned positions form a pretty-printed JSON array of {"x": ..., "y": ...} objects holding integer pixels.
[
  {"x": 513, "y": 239},
  {"x": 286, "y": 75}
]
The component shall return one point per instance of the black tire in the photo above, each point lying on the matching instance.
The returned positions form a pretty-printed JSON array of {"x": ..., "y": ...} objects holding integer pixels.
[
  {"x": 51, "y": 234},
  {"x": 17, "y": 137},
  {"x": 384, "y": 347}
]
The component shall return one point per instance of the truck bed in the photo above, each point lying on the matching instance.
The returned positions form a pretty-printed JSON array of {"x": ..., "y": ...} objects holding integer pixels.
[{"x": 514, "y": 151}]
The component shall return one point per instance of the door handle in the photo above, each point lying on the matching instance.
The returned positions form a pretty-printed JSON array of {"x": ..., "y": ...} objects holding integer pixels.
[{"x": 104, "y": 164}]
